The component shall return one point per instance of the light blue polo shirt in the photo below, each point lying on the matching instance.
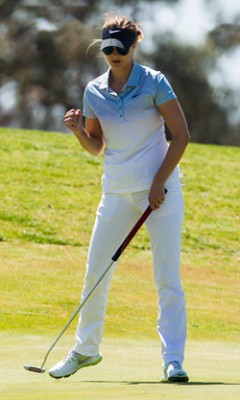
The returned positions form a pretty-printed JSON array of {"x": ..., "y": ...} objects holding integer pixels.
[{"x": 133, "y": 127}]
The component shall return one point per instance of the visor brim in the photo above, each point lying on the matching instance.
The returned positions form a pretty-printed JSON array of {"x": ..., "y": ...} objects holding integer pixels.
[{"x": 112, "y": 42}]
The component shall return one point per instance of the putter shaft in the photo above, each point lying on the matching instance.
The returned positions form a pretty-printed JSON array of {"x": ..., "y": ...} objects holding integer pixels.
[{"x": 115, "y": 257}]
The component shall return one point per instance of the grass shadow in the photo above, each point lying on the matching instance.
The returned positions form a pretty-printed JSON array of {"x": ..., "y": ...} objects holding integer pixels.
[{"x": 165, "y": 383}]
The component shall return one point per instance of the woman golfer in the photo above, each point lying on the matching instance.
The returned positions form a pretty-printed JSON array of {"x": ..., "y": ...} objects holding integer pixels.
[{"x": 125, "y": 110}]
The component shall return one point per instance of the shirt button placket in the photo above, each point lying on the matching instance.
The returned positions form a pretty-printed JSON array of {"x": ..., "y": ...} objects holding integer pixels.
[{"x": 120, "y": 107}]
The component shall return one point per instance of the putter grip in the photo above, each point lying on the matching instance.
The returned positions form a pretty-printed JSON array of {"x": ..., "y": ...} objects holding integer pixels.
[{"x": 134, "y": 230}]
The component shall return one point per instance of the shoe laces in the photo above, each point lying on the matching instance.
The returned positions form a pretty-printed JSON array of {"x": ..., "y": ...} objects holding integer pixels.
[
  {"x": 175, "y": 364},
  {"x": 70, "y": 357}
]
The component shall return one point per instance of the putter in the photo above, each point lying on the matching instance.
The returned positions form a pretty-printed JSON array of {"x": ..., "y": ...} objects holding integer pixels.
[{"x": 114, "y": 258}]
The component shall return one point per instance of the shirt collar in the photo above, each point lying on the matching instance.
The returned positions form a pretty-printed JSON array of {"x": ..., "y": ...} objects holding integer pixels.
[{"x": 133, "y": 80}]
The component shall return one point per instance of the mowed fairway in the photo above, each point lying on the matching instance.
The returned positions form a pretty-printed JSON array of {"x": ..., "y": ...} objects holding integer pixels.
[
  {"x": 50, "y": 189},
  {"x": 129, "y": 370}
]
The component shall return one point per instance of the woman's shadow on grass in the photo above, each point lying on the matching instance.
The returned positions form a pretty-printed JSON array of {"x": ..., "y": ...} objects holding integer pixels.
[{"x": 194, "y": 383}]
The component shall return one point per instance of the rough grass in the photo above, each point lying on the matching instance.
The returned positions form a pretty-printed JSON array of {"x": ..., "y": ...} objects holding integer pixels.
[{"x": 49, "y": 192}]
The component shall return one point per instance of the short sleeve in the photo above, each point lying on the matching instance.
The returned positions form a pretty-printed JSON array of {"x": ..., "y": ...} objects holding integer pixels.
[
  {"x": 87, "y": 109},
  {"x": 164, "y": 91}
]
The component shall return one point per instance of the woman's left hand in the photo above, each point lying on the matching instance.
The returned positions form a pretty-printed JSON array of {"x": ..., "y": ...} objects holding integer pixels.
[{"x": 156, "y": 195}]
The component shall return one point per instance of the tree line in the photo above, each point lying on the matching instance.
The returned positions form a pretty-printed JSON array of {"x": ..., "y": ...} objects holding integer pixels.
[{"x": 45, "y": 66}]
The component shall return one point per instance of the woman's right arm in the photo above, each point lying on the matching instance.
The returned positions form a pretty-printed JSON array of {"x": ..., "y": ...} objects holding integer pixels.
[{"x": 90, "y": 137}]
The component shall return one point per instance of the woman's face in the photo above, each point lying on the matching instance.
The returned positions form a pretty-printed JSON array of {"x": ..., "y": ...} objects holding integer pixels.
[{"x": 118, "y": 61}]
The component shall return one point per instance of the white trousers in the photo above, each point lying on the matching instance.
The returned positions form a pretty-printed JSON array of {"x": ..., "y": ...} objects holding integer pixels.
[{"x": 115, "y": 217}]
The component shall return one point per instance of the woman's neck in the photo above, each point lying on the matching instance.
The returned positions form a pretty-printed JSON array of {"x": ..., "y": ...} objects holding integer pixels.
[
  {"x": 121, "y": 75},
  {"x": 118, "y": 78}
]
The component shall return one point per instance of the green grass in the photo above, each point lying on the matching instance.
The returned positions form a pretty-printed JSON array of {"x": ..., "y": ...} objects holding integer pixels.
[
  {"x": 50, "y": 189},
  {"x": 130, "y": 370}
]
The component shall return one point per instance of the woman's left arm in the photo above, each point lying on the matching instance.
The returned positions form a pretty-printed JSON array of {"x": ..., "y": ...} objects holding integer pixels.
[{"x": 174, "y": 118}]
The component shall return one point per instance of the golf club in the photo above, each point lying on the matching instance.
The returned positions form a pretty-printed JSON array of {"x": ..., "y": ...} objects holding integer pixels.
[{"x": 114, "y": 258}]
